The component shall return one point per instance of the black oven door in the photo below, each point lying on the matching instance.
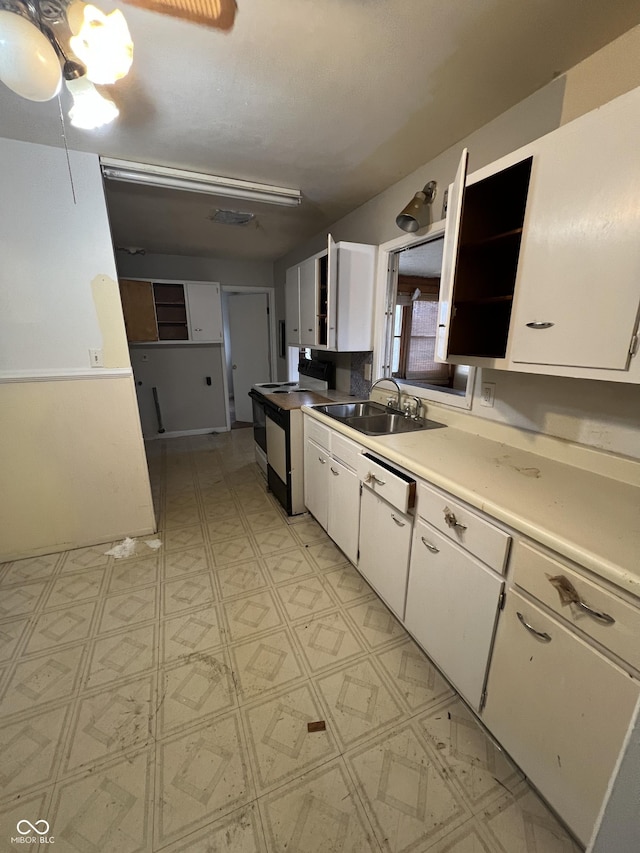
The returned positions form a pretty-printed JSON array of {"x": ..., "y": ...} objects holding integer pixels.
[{"x": 259, "y": 420}]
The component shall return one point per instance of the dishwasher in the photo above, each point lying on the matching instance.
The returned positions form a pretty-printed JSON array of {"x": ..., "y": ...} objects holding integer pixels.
[{"x": 386, "y": 527}]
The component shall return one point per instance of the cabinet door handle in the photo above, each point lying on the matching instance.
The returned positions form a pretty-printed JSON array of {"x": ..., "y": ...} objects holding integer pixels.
[
  {"x": 429, "y": 546},
  {"x": 372, "y": 478},
  {"x": 596, "y": 614},
  {"x": 539, "y": 325},
  {"x": 310, "y": 330},
  {"x": 541, "y": 635},
  {"x": 334, "y": 472},
  {"x": 322, "y": 461},
  {"x": 397, "y": 521},
  {"x": 451, "y": 520}
]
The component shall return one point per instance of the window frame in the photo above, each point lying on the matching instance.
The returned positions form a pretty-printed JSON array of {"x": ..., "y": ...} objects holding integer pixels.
[{"x": 386, "y": 278}]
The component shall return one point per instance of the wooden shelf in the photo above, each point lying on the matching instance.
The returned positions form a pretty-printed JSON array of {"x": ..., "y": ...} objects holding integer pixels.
[
  {"x": 171, "y": 323},
  {"x": 485, "y": 300},
  {"x": 174, "y": 304}
]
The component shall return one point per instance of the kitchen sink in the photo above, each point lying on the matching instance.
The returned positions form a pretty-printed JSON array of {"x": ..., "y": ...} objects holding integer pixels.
[{"x": 375, "y": 419}]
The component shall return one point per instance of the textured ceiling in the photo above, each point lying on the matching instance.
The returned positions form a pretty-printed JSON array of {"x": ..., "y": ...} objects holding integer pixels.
[{"x": 339, "y": 99}]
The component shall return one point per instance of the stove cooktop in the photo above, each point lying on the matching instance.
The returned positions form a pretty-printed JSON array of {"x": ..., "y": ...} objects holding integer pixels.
[{"x": 279, "y": 387}]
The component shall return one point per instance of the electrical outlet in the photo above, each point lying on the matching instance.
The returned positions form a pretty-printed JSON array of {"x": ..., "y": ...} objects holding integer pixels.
[
  {"x": 95, "y": 358},
  {"x": 488, "y": 394}
]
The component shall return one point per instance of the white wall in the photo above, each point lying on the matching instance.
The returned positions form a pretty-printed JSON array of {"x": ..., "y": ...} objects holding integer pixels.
[
  {"x": 72, "y": 464},
  {"x": 598, "y": 414},
  {"x": 227, "y": 271}
]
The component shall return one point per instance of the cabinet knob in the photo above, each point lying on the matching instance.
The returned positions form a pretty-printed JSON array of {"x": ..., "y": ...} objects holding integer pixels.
[
  {"x": 429, "y": 546},
  {"x": 397, "y": 521},
  {"x": 335, "y": 473},
  {"x": 452, "y": 521},
  {"x": 541, "y": 635},
  {"x": 310, "y": 330},
  {"x": 539, "y": 325}
]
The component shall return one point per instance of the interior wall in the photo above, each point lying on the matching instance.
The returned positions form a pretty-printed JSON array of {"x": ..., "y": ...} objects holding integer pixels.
[
  {"x": 226, "y": 271},
  {"x": 598, "y": 414},
  {"x": 72, "y": 463}
]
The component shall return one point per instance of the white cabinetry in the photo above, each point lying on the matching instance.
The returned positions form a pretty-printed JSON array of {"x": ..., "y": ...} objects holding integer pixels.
[
  {"x": 541, "y": 253},
  {"x": 455, "y": 588},
  {"x": 560, "y": 708},
  {"x": 329, "y": 298},
  {"x": 331, "y": 485},
  {"x": 385, "y": 544},
  {"x": 204, "y": 312}
]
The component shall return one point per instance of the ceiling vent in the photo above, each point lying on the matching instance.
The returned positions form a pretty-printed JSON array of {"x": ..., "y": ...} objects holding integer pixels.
[{"x": 232, "y": 217}]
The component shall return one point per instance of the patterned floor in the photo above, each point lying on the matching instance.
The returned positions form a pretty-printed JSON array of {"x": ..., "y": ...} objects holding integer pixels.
[{"x": 161, "y": 702}]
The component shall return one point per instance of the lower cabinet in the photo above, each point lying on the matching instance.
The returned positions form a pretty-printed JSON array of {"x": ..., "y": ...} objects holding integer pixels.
[
  {"x": 453, "y": 602},
  {"x": 332, "y": 496},
  {"x": 560, "y": 708},
  {"x": 385, "y": 544}
]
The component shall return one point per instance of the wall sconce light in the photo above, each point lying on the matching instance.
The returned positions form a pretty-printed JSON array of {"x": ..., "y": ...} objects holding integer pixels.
[
  {"x": 416, "y": 213},
  {"x": 42, "y": 43}
]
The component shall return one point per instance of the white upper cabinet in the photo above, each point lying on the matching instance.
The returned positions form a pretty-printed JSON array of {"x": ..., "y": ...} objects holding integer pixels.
[
  {"x": 204, "y": 309},
  {"x": 329, "y": 298},
  {"x": 541, "y": 263}
]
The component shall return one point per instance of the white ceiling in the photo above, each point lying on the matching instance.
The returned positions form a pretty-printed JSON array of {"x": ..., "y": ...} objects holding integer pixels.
[{"x": 339, "y": 98}]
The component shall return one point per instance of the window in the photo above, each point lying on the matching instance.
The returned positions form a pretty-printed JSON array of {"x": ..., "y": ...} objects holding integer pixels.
[{"x": 411, "y": 322}]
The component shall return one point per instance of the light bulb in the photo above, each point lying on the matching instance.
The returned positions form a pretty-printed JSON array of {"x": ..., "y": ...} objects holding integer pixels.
[
  {"x": 90, "y": 109},
  {"x": 104, "y": 45},
  {"x": 28, "y": 63}
]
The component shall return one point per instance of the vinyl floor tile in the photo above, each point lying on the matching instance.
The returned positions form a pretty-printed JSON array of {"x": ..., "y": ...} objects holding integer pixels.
[{"x": 159, "y": 703}]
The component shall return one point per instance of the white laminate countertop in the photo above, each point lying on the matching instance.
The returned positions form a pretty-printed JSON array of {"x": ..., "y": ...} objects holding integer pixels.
[{"x": 587, "y": 517}]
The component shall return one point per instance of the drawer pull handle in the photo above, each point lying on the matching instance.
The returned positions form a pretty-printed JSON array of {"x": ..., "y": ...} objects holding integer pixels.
[
  {"x": 334, "y": 472},
  {"x": 372, "y": 478},
  {"x": 541, "y": 635},
  {"x": 429, "y": 546},
  {"x": 397, "y": 521},
  {"x": 596, "y": 614},
  {"x": 452, "y": 521},
  {"x": 322, "y": 461},
  {"x": 539, "y": 325}
]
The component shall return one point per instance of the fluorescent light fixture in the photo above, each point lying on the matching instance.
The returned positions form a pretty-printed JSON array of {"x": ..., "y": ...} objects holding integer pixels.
[{"x": 195, "y": 182}]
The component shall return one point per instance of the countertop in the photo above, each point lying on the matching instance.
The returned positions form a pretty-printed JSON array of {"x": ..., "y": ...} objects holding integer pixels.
[
  {"x": 297, "y": 399},
  {"x": 587, "y": 517}
]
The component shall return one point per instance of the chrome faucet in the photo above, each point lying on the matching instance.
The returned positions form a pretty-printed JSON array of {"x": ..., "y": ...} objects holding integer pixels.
[
  {"x": 389, "y": 379},
  {"x": 418, "y": 412}
]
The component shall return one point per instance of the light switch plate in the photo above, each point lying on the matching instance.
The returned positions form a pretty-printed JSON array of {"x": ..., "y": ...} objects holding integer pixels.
[{"x": 95, "y": 358}]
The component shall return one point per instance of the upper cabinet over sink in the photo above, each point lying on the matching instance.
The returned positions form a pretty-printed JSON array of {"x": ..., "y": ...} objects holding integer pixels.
[
  {"x": 329, "y": 299},
  {"x": 541, "y": 265}
]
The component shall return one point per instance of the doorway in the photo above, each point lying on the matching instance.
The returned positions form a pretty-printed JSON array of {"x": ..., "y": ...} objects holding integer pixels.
[{"x": 249, "y": 346}]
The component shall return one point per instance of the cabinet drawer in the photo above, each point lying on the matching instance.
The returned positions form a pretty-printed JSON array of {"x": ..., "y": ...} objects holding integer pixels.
[
  {"x": 345, "y": 450},
  {"x": 462, "y": 525},
  {"x": 317, "y": 432},
  {"x": 395, "y": 487},
  {"x": 602, "y": 615}
]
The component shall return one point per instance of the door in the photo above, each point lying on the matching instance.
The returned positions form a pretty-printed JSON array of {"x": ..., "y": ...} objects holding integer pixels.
[
  {"x": 344, "y": 509},
  {"x": 308, "y": 301},
  {"x": 385, "y": 542},
  {"x": 560, "y": 709},
  {"x": 205, "y": 313},
  {"x": 452, "y": 609},
  {"x": 450, "y": 255},
  {"x": 332, "y": 291},
  {"x": 577, "y": 295},
  {"x": 249, "y": 346},
  {"x": 292, "y": 307},
  {"x": 316, "y": 485}
]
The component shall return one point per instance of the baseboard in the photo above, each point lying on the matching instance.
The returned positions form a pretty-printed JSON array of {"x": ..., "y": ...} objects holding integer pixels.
[
  {"x": 185, "y": 432},
  {"x": 80, "y": 543}
]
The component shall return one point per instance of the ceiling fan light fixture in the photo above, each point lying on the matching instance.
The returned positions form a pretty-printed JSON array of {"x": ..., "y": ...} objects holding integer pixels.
[
  {"x": 29, "y": 65},
  {"x": 90, "y": 109},
  {"x": 232, "y": 217},
  {"x": 197, "y": 182},
  {"x": 104, "y": 45},
  {"x": 416, "y": 214}
]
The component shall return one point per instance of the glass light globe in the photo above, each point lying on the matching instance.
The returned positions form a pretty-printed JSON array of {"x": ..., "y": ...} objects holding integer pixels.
[
  {"x": 104, "y": 45},
  {"x": 90, "y": 109},
  {"x": 28, "y": 63}
]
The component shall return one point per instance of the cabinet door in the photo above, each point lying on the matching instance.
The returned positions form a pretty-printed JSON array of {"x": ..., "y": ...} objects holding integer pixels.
[
  {"x": 385, "y": 542},
  {"x": 331, "y": 307},
  {"x": 204, "y": 312},
  {"x": 139, "y": 310},
  {"x": 316, "y": 484},
  {"x": 452, "y": 609},
  {"x": 292, "y": 307},
  {"x": 455, "y": 201},
  {"x": 560, "y": 708},
  {"x": 344, "y": 509},
  {"x": 578, "y": 286},
  {"x": 308, "y": 301}
]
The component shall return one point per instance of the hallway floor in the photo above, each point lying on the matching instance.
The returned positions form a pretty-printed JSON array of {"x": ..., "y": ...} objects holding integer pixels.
[{"x": 161, "y": 702}]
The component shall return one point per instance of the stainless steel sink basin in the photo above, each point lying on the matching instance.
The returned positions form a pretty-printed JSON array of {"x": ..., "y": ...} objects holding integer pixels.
[
  {"x": 374, "y": 419},
  {"x": 342, "y": 411}
]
